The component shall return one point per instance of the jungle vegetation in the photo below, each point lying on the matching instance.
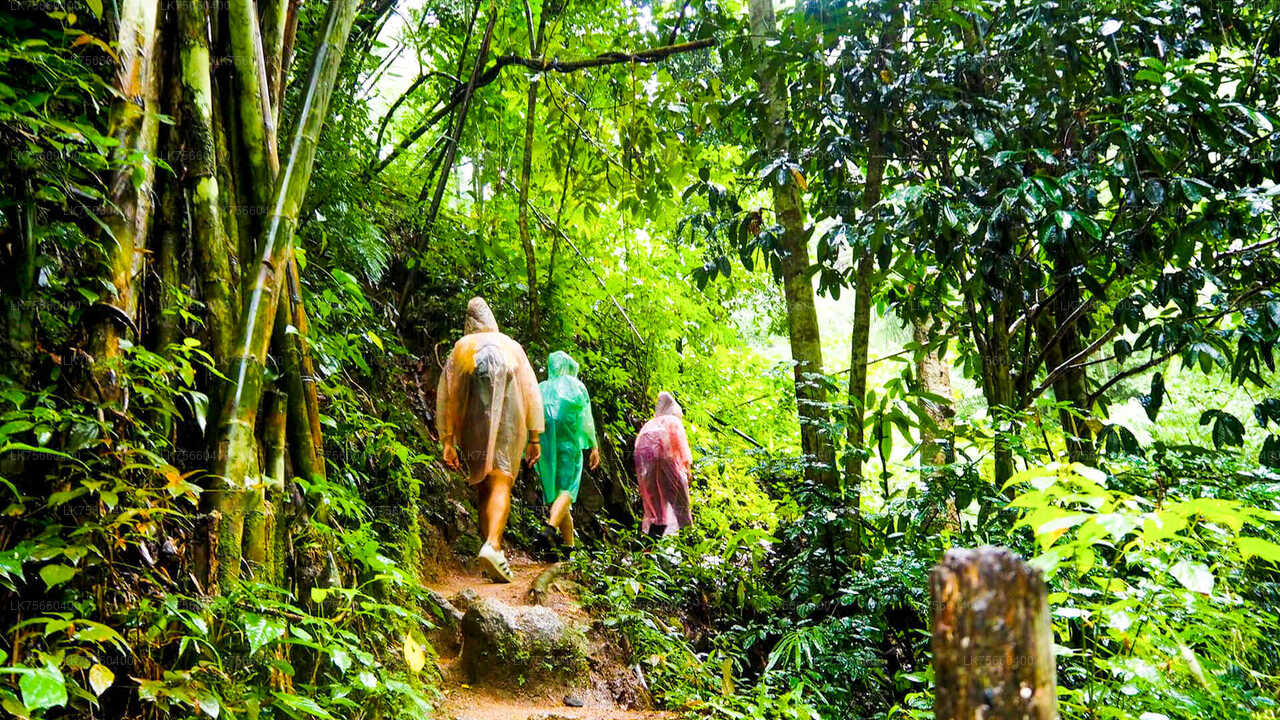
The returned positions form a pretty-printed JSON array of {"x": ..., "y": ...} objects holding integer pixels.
[{"x": 924, "y": 274}]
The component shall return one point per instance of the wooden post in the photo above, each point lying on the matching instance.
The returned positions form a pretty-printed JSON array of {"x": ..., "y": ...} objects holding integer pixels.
[{"x": 992, "y": 643}]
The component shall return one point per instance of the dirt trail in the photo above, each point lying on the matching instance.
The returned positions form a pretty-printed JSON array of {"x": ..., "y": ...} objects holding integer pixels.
[{"x": 464, "y": 702}]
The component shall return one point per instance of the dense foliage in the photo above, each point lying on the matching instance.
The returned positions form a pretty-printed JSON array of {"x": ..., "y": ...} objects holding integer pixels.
[{"x": 1044, "y": 235}]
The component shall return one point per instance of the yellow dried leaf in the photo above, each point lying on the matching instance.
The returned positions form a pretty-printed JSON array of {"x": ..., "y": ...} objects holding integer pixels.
[
  {"x": 415, "y": 656},
  {"x": 100, "y": 678}
]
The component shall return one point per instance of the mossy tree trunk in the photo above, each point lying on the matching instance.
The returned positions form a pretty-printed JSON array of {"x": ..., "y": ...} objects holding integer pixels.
[
  {"x": 134, "y": 125},
  {"x": 235, "y": 459},
  {"x": 802, "y": 317},
  {"x": 213, "y": 250}
]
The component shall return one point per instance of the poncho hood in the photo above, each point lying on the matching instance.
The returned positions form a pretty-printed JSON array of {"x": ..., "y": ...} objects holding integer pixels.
[
  {"x": 560, "y": 364},
  {"x": 667, "y": 405},
  {"x": 479, "y": 317}
]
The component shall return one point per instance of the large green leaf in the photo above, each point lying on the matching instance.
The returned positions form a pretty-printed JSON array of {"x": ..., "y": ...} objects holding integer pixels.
[{"x": 43, "y": 688}]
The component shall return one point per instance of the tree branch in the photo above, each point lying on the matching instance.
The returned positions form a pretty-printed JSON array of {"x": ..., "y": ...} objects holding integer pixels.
[
  {"x": 651, "y": 55},
  {"x": 1070, "y": 362},
  {"x": 548, "y": 224}
]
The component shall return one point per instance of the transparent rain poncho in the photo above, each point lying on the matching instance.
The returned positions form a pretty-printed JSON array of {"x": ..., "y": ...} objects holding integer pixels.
[
  {"x": 570, "y": 429},
  {"x": 487, "y": 401},
  {"x": 663, "y": 461}
]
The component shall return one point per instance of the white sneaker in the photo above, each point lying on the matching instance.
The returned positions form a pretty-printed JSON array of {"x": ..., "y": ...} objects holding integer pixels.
[{"x": 494, "y": 563}]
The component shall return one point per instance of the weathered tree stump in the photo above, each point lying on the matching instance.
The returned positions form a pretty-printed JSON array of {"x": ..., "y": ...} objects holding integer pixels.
[{"x": 992, "y": 643}]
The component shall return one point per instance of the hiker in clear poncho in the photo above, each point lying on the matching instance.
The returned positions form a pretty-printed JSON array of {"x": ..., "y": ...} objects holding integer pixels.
[
  {"x": 570, "y": 429},
  {"x": 488, "y": 403},
  {"x": 663, "y": 461}
]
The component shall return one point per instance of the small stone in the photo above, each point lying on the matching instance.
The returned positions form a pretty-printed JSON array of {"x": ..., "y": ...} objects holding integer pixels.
[{"x": 572, "y": 701}]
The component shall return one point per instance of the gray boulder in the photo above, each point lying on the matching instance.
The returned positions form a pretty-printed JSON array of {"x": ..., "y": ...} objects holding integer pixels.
[{"x": 520, "y": 646}]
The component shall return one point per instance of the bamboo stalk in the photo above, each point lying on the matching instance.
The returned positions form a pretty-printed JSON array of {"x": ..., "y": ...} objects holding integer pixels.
[
  {"x": 236, "y": 455},
  {"x": 134, "y": 124},
  {"x": 212, "y": 248},
  {"x": 307, "y": 368},
  {"x": 285, "y": 346},
  {"x": 287, "y": 54},
  {"x": 226, "y": 138},
  {"x": 257, "y": 120},
  {"x": 280, "y": 40},
  {"x": 259, "y": 533},
  {"x": 268, "y": 163},
  {"x": 170, "y": 215},
  {"x": 274, "y": 16}
]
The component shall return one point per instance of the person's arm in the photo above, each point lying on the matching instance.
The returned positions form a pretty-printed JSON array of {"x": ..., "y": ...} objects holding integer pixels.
[
  {"x": 527, "y": 383},
  {"x": 588, "y": 424},
  {"x": 680, "y": 444},
  {"x": 446, "y": 412}
]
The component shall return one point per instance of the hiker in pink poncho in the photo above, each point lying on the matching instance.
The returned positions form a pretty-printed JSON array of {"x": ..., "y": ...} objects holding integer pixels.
[{"x": 663, "y": 461}]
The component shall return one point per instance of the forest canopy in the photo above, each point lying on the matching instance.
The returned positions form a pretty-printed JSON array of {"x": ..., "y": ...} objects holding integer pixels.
[{"x": 923, "y": 276}]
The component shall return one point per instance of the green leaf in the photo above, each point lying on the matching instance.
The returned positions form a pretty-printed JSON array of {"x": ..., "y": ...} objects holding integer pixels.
[
  {"x": 54, "y": 575},
  {"x": 1122, "y": 349},
  {"x": 1194, "y": 576},
  {"x": 1152, "y": 401},
  {"x": 261, "y": 630},
  {"x": 341, "y": 658},
  {"x": 294, "y": 704},
  {"x": 43, "y": 688},
  {"x": 1252, "y": 547}
]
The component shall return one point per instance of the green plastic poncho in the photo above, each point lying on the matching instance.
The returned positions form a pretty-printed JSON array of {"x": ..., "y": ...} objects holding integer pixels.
[{"x": 570, "y": 429}]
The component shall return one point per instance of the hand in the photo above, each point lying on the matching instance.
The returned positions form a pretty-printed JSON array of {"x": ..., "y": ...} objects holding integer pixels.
[
  {"x": 532, "y": 452},
  {"x": 593, "y": 461},
  {"x": 451, "y": 457}
]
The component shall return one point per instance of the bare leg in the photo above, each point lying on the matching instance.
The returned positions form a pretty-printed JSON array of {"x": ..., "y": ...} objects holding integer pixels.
[
  {"x": 495, "y": 507},
  {"x": 566, "y": 529},
  {"x": 559, "y": 508},
  {"x": 484, "y": 489}
]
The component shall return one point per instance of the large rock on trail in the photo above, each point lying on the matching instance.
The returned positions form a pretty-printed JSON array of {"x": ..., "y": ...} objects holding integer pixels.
[{"x": 519, "y": 646}]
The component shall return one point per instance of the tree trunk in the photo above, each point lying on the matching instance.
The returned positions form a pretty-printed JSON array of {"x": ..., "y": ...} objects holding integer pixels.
[
  {"x": 1072, "y": 386},
  {"x": 860, "y": 342},
  {"x": 526, "y": 241},
  {"x": 802, "y": 317},
  {"x": 235, "y": 461},
  {"x": 257, "y": 121},
  {"x": 992, "y": 641},
  {"x": 998, "y": 387},
  {"x": 934, "y": 376},
  {"x": 134, "y": 124},
  {"x": 213, "y": 250}
]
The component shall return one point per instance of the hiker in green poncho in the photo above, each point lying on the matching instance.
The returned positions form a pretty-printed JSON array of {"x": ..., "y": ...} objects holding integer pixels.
[{"x": 570, "y": 429}]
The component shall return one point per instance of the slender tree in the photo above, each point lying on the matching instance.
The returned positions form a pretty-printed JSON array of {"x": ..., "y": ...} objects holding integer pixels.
[
  {"x": 134, "y": 125},
  {"x": 788, "y": 207}
]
